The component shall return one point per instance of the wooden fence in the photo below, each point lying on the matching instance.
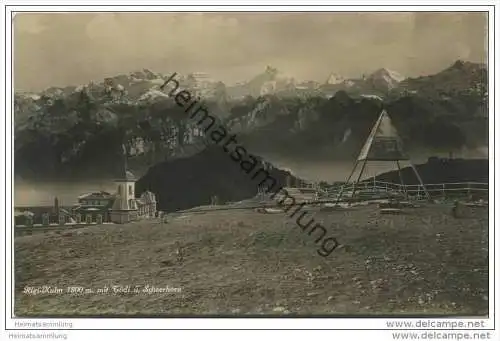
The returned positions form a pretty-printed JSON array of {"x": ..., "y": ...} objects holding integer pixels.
[{"x": 381, "y": 188}]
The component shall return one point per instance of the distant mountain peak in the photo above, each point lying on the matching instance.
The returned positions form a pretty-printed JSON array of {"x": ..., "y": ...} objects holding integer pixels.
[
  {"x": 384, "y": 73},
  {"x": 465, "y": 65},
  {"x": 459, "y": 77},
  {"x": 335, "y": 78},
  {"x": 145, "y": 74},
  {"x": 272, "y": 71},
  {"x": 384, "y": 79},
  {"x": 458, "y": 64}
]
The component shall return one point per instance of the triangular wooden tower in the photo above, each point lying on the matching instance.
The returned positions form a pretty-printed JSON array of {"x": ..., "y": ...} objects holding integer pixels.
[{"x": 383, "y": 144}]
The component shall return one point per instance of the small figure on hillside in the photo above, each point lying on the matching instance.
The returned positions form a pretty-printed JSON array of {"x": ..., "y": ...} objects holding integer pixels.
[
  {"x": 163, "y": 216},
  {"x": 179, "y": 252},
  {"x": 214, "y": 200},
  {"x": 455, "y": 209}
]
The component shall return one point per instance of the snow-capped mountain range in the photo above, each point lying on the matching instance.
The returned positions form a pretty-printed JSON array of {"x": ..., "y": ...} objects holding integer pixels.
[
  {"x": 67, "y": 129},
  {"x": 145, "y": 85}
]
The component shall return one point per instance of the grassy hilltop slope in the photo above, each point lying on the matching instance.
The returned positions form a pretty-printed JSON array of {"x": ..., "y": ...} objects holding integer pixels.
[{"x": 241, "y": 262}]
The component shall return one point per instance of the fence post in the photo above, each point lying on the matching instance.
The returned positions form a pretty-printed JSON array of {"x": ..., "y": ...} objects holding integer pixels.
[
  {"x": 468, "y": 190},
  {"x": 444, "y": 192},
  {"x": 29, "y": 221}
]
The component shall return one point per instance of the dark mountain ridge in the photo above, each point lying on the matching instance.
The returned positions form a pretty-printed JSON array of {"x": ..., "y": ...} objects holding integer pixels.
[
  {"x": 189, "y": 182},
  {"x": 442, "y": 170}
]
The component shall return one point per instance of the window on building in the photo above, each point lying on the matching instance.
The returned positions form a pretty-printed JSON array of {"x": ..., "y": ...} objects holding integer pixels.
[
  {"x": 119, "y": 189},
  {"x": 130, "y": 189}
]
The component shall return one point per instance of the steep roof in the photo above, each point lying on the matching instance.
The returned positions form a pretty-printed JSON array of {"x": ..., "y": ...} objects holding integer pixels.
[
  {"x": 125, "y": 175},
  {"x": 96, "y": 195}
]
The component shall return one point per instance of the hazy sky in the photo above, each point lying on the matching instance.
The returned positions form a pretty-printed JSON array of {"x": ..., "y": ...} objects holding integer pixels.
[{"x": 73, "y": 48}]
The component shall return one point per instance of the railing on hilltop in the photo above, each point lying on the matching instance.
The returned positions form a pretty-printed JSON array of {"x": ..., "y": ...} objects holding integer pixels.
[{"x": 443, "y": 190}]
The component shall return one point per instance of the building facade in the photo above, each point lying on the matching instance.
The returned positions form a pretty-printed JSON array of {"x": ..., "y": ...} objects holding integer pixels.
[
  {"x": 121, "y": 207},
  {"x": 126, "y": 207}
]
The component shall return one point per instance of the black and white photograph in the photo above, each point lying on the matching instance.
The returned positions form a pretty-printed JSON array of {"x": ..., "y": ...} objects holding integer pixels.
[{"x": 251, "y": 164}]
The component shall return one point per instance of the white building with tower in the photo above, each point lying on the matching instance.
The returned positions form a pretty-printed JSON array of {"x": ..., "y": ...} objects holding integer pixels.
[{"x": 126, "y": 207}]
